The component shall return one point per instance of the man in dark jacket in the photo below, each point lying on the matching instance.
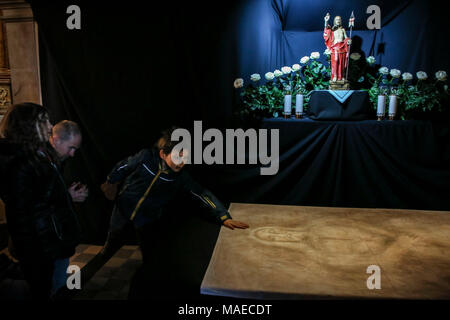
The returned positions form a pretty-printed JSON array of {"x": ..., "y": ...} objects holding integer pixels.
[
  {"x": 40, "y": 218},
  {"x": 65, "y": 140},
  {"x": 150, "y": 180}
]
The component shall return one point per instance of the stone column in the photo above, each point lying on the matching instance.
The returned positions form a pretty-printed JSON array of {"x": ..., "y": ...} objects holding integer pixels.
[
  {"x": 20, "y": 56},
  {"x": 5, "y": 74}
]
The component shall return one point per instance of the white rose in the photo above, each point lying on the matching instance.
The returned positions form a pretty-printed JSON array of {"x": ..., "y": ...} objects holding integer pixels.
[
  {"x": 277, "y": 73},
  {"x": 269, "y": 76},
  {"x": 395, "y": 73},
  {"x": 296, "y": 67},
  {"x": 384, "y": 70},
  {"x": 407, "y": 76},
  {"x": 304, "y": 60},
  {"x": 421, "y": 75},
  {"x": 255, "y": 77},
  {"x": 315, "y": 55},
  {"x": 327, "y": 52},
  {"x": 370, "y": 59},
  {"x": 355, "y": 56},
  {"x": 441, "y": 75},
  {"x": 238, "y": 83},
  {"x": 286, "y": 70}
]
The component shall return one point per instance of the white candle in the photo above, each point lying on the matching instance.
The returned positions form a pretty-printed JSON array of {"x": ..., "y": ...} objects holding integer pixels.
[
  {"x": 392, "y": 105},
  {"x": 381, "y": 105},
  {"x": 299, "y": 104},
  {"x": 287, "y": 104}
]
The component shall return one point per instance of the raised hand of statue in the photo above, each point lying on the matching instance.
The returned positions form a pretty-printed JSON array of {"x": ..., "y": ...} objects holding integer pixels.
[{"x": 327, "y": 17}]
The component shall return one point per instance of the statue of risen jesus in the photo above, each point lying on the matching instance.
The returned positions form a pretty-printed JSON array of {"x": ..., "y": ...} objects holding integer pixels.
[{"x": 337, "y": 42}]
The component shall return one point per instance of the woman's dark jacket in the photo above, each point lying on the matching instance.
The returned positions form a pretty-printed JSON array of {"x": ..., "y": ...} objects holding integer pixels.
[{"x": 39, "y": 212}]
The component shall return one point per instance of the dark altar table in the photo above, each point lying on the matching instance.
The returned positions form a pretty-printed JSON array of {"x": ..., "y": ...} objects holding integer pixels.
[
  {"x": 368, "y": 164},
  {"x": 340, "y": 105}
]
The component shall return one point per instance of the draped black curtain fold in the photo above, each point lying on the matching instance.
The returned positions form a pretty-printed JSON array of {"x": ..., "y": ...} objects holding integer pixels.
[{"x": 389, "y": 164}]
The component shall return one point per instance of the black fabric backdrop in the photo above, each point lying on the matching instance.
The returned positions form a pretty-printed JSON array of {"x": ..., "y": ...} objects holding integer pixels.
[
  {"x": 136, "y": 68},
  {"x": 133, "y": 70}
]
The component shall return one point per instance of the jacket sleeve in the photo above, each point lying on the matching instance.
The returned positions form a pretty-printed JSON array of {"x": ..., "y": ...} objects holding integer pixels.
[
  {"x": 125, "y": 167},
  {"x": 216, "y": 209}
]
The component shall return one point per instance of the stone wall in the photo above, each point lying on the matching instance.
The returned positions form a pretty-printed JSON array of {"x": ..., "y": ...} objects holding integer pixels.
[{"x": 19, "y": 61}]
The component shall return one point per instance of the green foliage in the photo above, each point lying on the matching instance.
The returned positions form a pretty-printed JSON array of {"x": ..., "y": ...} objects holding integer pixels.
[
  {"x": 267, "y": 99},
  {"x": 316, "y": 75},
  {"x": 414, "y": 96}
]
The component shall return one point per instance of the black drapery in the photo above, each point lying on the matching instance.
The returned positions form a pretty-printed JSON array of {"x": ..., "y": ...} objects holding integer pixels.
[
  {"x": 277, "y": 33},
  {"x": 130, "y": 72},
  {"x": 373, "y": 164},
  {"x": 133, "y": 70}
]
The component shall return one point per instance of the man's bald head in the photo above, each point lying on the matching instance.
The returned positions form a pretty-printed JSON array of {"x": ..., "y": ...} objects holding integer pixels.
[
  {"x": 66, "y": 138},
  {"x": 66, "y": 129}
]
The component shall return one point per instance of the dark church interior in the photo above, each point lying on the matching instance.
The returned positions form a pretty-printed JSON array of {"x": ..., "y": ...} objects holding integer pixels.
[{"x": 349, "y": 191}]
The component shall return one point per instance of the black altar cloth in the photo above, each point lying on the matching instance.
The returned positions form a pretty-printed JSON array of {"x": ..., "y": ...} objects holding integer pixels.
[
  {"x": 367, "y": 164},
  {"x": 341, "y": 105}
]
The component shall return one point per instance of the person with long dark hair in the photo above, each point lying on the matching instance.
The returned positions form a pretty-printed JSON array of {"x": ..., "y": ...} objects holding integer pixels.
[{"x": 40, "y": 218}]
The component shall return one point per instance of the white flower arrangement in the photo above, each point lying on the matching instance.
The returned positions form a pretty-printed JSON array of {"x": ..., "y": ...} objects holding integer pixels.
[
  {"x": 278, "y": 73},
  {"x": 269, "y": 76},
  {"x": 370, "y": 60},
  {"x": 238, "y": 83},
  {"x": 395, "y": 73},
  {"x": 355, "y": 56},
  {"x": 286, "y": 70},
  {"x": 422, "y": 75},
  {"x": 304, "y": 60},
  {"x": 413, "y": 96},
  {"x": 315, "y": 55},
  {"x": 255, "y": 77},
  {"x": 296, "y": 67},
  {"x": 441, "y": 75},
  {"x": 407, "y": 76},
  {"x": 384, "y": 70}
]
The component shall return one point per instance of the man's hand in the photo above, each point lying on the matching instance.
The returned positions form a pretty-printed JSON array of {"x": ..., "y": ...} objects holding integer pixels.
[
  {"x": 110, "y": 190},
  {"x": 231, "y": 224},
  {"x": 78, "y": 192}
]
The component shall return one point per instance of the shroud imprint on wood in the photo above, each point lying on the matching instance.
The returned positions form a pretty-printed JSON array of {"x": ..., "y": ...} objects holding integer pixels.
[{"x": 295, "y": 252}]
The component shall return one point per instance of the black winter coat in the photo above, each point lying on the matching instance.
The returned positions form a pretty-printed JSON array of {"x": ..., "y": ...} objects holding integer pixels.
[
  {"x": 148, "y": 186},
  {"x": 39, "y": 212}
]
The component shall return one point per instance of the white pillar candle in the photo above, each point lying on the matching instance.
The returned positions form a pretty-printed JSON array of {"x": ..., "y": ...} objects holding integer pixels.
[
  {"x": 299, "y": 104},
  {"x": 287, "y": 104},
  {"x": 392, "y": 105},
  {"x": 381, "y": 105}
]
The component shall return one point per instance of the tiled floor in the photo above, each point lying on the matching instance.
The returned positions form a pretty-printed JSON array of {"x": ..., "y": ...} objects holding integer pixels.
[
  {"x": 103, "y": 280},
  {"x": 112, "y": 280}
]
